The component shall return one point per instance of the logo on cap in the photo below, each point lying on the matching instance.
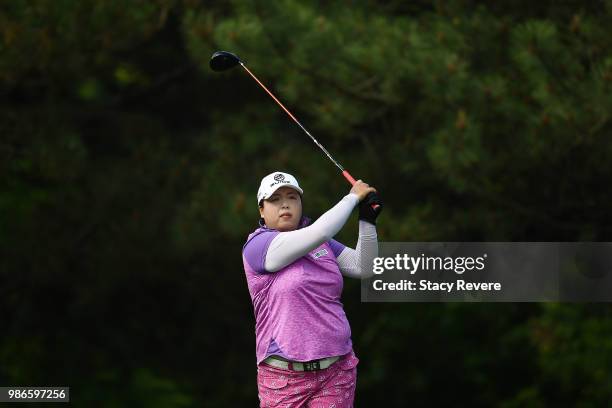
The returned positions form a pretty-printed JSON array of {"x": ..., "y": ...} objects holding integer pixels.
[{"x": 279, "y": 177}]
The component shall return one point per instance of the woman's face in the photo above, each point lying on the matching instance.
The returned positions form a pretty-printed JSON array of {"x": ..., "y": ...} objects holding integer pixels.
[{"x": 282, "y": 210}]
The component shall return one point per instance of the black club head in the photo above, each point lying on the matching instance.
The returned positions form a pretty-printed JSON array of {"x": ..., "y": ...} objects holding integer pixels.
[{"x": 223, "y": 60}]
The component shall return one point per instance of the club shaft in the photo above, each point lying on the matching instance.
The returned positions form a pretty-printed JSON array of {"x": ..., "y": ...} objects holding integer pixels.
[{"x": 344, "y": 172}]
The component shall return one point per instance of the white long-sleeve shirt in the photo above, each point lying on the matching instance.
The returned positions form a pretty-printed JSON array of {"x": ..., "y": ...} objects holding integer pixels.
[{"x": 288, "y": 246}]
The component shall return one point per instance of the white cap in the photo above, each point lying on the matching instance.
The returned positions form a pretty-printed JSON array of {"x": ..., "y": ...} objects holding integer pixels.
[{"x": 273, "y": 182}]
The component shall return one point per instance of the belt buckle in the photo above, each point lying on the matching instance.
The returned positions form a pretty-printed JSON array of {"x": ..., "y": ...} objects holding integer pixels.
[{"x": 312, "y": 365}]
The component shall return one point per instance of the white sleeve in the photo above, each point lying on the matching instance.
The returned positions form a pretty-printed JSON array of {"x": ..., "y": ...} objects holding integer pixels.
[
  {"x": 350, "y": 260},
  {"x": 288, "y": 246}
]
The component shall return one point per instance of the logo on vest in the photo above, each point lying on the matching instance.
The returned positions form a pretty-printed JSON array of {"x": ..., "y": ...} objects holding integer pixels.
[{"x": 320, "y": 253}]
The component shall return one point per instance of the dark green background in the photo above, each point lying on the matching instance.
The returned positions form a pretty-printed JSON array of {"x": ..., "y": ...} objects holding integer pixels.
[{"x": 128, "y": 174}]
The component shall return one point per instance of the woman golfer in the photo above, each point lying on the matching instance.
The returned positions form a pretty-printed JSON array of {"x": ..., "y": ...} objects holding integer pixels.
[{"x": 294, "y": 274}]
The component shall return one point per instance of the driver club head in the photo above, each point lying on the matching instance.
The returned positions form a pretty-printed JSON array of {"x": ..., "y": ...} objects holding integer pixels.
[{"x": 223, "y": 60}]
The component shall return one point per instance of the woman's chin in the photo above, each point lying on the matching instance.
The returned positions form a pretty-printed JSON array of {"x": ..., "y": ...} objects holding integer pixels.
[{"x": 284, "y": 226}]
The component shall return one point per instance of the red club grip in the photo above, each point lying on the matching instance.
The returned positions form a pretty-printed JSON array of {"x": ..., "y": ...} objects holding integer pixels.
[
  {"x": 348, "y": 176},
  {"x": 351, "y": 180}
]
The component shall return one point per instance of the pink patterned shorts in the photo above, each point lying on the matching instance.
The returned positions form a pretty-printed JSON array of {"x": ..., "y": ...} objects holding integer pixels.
[{"x": 333, "y": 387}]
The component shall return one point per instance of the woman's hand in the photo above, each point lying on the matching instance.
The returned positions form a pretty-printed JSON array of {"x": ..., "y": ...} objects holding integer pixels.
[{"x": 362, "y": 189}]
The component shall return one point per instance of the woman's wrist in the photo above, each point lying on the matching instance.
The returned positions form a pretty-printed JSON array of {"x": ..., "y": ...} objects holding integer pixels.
[{"x": 353, "y": 197}]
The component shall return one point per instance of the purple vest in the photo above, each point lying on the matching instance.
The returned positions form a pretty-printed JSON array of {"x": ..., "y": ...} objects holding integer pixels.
[{"x": 298, "y": 312}]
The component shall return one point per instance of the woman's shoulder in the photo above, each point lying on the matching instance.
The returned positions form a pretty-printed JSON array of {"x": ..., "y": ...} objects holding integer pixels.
[
  {"x": 261, "y": 233},
  {"x": 256, "y": 247}
]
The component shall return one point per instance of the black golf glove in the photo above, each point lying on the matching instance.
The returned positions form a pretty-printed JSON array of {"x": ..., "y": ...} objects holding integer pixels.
[{"x": 366, "y": 212}]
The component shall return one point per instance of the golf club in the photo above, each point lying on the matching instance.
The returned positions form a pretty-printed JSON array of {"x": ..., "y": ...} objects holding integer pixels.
[{"x": 224, "y": 60}]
